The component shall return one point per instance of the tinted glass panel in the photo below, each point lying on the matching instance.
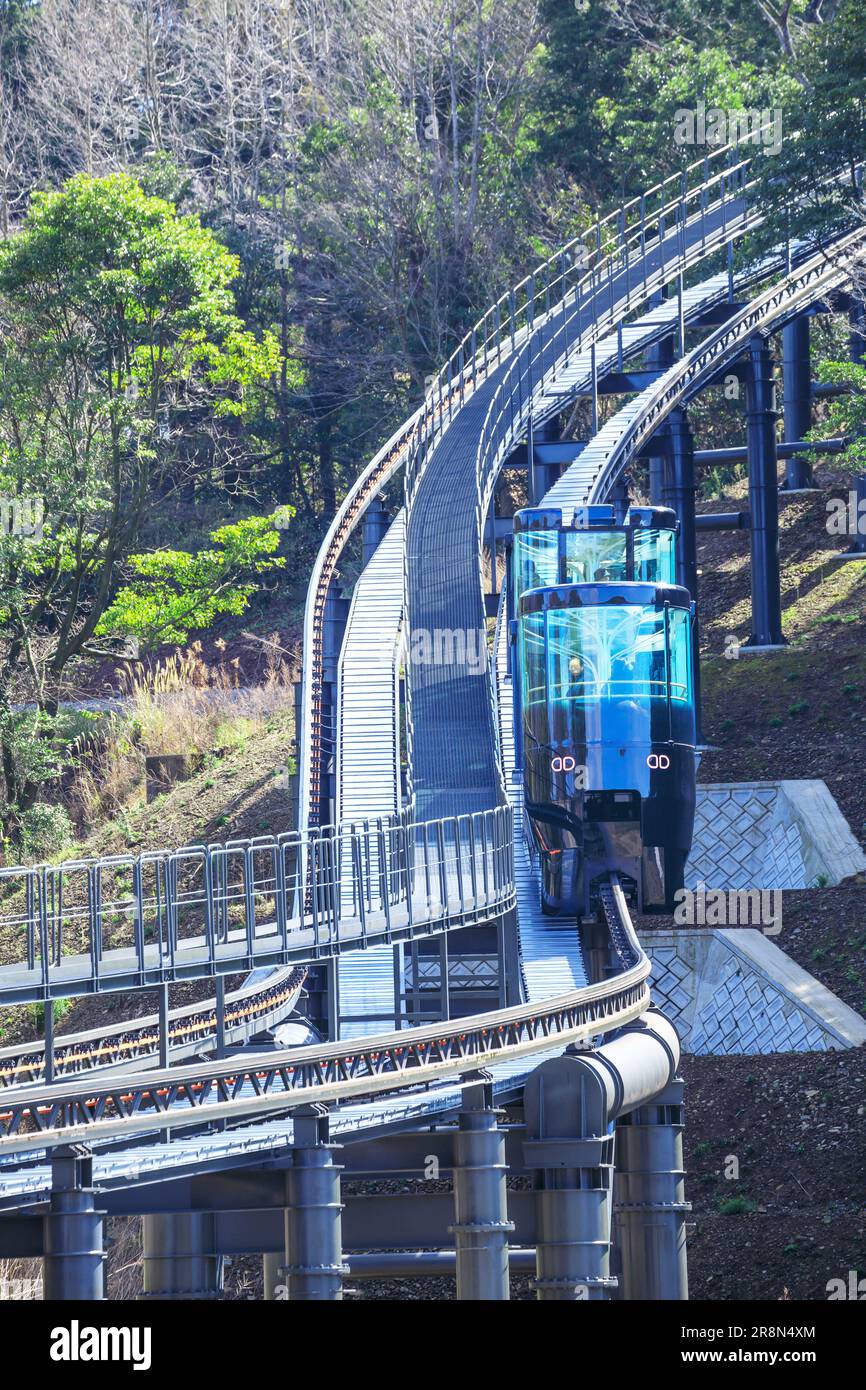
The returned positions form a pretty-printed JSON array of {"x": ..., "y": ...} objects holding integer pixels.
[
  {"x": 536, "y": 560},
  {"x": 531, "y": 657},
  {"x": 594, "y": 557},
  {"x": 655, "y": 557},
  {"x": 682, "y": 709}
]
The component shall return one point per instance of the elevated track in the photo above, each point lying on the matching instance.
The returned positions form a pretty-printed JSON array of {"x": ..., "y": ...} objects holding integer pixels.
[{"x": 446, "y": 853}]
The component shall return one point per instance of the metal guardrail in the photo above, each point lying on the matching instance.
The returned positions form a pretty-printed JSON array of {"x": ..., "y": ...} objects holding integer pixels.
[
  {"x": 346, "y": 876},
  {"x": 540, "y": 359},
  {"x": 131, "y": 921},
  {"x": 581, "y": 263},
  {"x": 190, "y": 1030},
  {"x": 367, "y": 485},
  {"x": 813, "y": 279},
  {"x": 587, "y": 267},
  {"x": 235, "y": 1090}
]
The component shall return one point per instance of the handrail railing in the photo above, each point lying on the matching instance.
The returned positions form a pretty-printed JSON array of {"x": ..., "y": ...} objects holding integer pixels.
[
  {"x": 583, "y": 263},
  {"x": 129, "y": 921},
  {"x": 812, "y": 280},
  {"x": 192, "y": 1029},
  {"x": 480, "y": 351},
  {"x": 238, "y": 1089},
  {"x": 362, "y": 492}
]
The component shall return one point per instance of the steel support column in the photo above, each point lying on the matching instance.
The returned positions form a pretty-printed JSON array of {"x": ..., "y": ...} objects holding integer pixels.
[
  {"x": 49, "y": 1043},
  {"x": 857, "y": 337},
  {"x": 481, "y": 1227},
  {"x": 572, "y": 1151},
  {"x": 680, "y": 496},
  {"x": 73, "y": 1256},
  {"x": 374, "y": 526},
  {"x": 336, "y": 616},
  {"x": 511, "y": 620},
  {"x": 797, "y": 387},
  {"x": 542, "y": 476},
  {"x": 272, "y": 1278},
  {"x": 509, "y": 952},
  {"x": 658, "y": 357},
  {"x": 763, "y": 497},
  {"x": 857, "y": 548},
  {"x": 649, "y": 1193},
  {"x": 180, "y": 1259},
  {"x": 570, "y": 1105},
  {"x": 314, "y": 1266}
]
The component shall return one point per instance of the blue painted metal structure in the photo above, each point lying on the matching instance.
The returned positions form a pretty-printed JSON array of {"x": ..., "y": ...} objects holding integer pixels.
[{"x": 532, "y": 353}]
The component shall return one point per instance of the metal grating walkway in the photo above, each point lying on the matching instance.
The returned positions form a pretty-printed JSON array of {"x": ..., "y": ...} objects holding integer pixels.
[{"x": 368, "y": 764}]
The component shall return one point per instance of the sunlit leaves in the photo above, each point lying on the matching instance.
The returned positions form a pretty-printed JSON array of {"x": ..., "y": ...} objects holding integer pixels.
[{"x": 171, "y": 592}]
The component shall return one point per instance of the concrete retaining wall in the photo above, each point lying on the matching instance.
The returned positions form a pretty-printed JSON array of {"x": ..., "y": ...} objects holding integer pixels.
[
  {"x": 731, "y": 990},
  {"x": 785, "y": 834}
]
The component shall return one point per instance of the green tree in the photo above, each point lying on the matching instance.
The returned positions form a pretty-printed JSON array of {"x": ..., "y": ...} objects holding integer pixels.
[
  {"x": 125, "y": 374},
  {"x": 846, "y": 414},
  {"x": 170, "y": 592},
  {"x": 814, "y": 186}
]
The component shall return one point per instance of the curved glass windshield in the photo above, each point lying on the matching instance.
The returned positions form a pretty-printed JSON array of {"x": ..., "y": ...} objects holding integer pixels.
[
  {"x": 545, "y": 558},
  {"x": 655, "y": 556},
  {"x": 536, "y": 555},
  {"x": 595, "y": 557},
  {"x": 629, "y": 664}
]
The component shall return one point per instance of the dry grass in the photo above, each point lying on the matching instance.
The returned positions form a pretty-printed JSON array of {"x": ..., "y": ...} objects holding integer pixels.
[
  {"x": 182, "y": 705},
  {"x": 20, "y": 1280},
  {"x": 124, "y": 1275}
]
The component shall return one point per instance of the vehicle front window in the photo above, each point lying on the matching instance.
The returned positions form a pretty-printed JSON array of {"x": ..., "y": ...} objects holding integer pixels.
[
  {"x": 595, "y": 557},
  {"x": 607, "y": 674},
  {"x": 536, "y": 560}
]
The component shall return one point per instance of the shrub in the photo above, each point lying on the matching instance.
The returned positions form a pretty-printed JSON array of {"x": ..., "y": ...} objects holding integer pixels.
[
  {"x": 736, "y": 1206},
  {"x": 45, "y": 830}
]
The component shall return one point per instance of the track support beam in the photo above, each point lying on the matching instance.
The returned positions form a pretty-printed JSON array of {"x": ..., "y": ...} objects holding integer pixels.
[
  {"x": 481, "y": 1226},
  {"x": 649, "y": 1189},
  {"x": 73, "y": 1255},
  {"x": 314, "y": 1266}
]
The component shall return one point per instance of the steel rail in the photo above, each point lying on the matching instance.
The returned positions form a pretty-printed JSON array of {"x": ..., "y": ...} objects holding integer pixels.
[
  {"x": 531, "y": 370},
  {"x": 356, "y": 503},
  {"x": 820, "y": 275},
  {"x": 602, "y": 266},
  {"x": 500, "y": 324},
  {"x": 234, "y": 1090},
  {"x": 464, "y": 372},
  {"x": 190, "y": 1030}
]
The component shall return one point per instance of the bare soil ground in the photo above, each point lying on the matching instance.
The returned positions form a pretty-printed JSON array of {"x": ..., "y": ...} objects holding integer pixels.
[
  {"x": 800, "y": 712},
  {"x": 795, "y": 1217}
]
